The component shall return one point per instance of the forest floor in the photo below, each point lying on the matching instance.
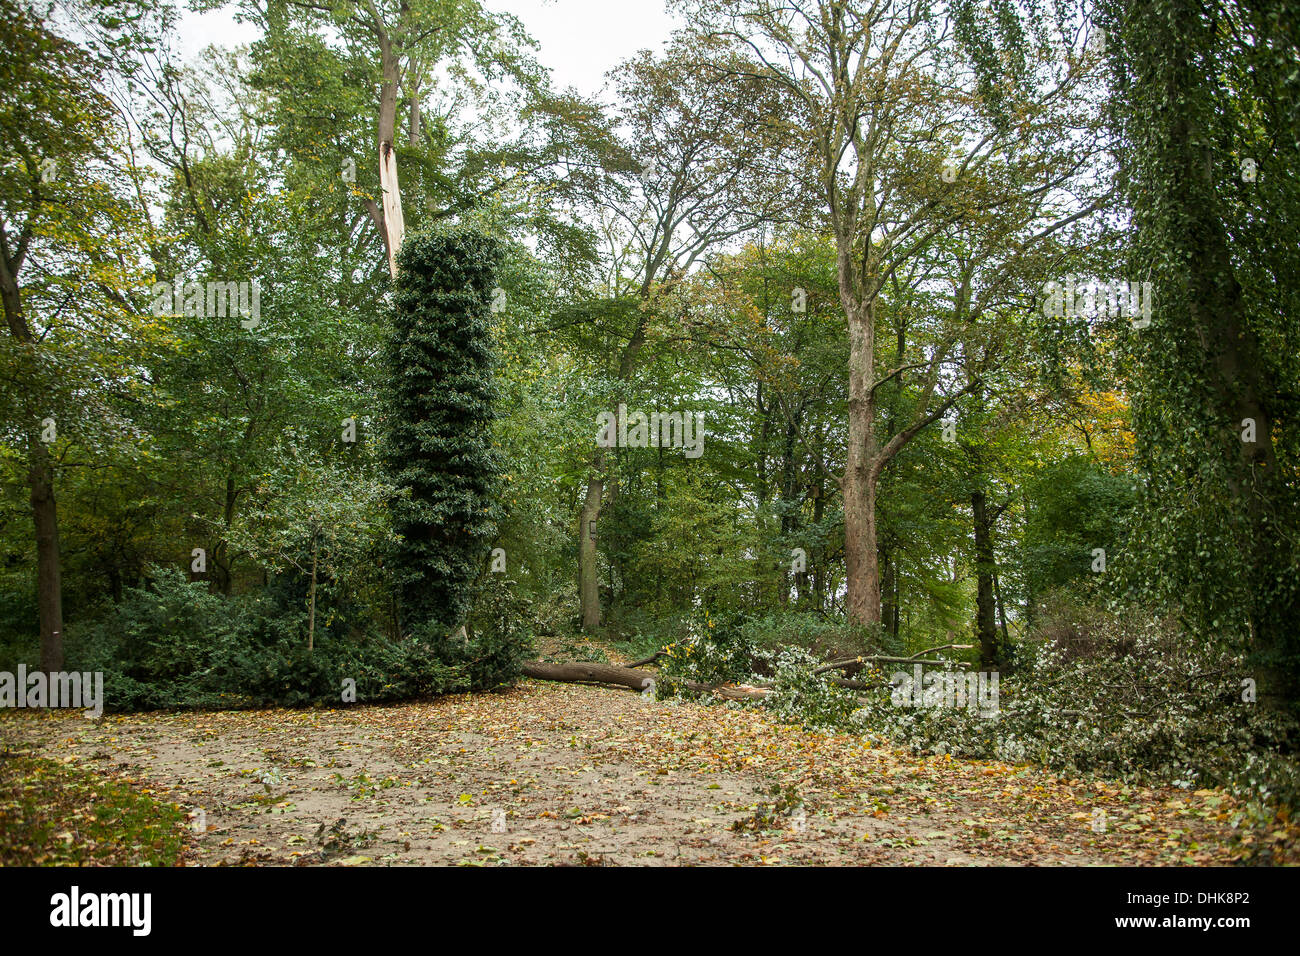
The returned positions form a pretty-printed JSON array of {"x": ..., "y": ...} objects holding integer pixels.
[{"x": 575, "y": 775}]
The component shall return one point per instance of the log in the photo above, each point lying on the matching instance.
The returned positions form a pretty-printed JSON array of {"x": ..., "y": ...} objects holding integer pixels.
[
  {"x": 571, "y": 672},
  {"x": 583, "y": 673}
]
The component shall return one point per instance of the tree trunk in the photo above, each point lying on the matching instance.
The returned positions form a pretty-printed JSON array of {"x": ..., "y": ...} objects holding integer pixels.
[
  {"x": 394, "y": 226},
  {"x": 818, "y": 557},
  {"x": 600, "y": 673},
  {"x": 1002, "y": 609},
  {"x": 49, "y": 594},
  {"x": 986, "y": 632},
  {"x": 860, "y": 556},
  {"x": 860, "y": 471},
  {"x": 40, "y": 478},
  {"x": 311, "y": 599},
  {"x": 588, "y": 574},
  {"x": 583, "y": 673},
  {"x": 883, "y": 559},
  {"x": 223, "y": 563}
]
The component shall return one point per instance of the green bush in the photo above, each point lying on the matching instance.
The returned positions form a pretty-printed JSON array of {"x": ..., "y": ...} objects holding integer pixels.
[{"x": 172, "y": 644}]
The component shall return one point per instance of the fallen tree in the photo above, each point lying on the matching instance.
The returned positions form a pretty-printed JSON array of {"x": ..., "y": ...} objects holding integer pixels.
[
  {"x": 917, "y": 658},
  {"x": 584, "y": 673},
  {"x": 633, "y": 677},
  {"x": 627, "y": 675},
  {"x": 577, "y": 672}
]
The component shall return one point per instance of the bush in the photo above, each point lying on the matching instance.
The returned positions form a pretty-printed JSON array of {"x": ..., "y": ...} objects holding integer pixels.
[
  {"x": 823, "y": 637},
  {"x": 171, "y": 644},
  {"x": 713, "y": 657},
  {"x": 733, "y": 655},
  {"x": 1119, "y": 694},
  {"x": 499, "y": 635},
  {"x": 802, "y": 697}
]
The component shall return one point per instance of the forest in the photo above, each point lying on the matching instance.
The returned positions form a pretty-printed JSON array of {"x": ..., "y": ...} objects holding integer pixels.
[{"x": 919, "y": 378}]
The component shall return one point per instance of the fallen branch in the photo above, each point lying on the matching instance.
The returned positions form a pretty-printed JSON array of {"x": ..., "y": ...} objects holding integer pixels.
[
  {"x": 943, "y": 647},
  {"x": 837, "y": 665},
  {"x": 647, "y": 660}
]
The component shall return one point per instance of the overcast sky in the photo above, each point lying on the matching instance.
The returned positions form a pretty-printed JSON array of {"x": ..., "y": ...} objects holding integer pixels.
[{"x": 580, "y": 39}]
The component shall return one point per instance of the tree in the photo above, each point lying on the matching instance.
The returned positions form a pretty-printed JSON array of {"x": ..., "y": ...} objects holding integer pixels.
[
  {"x": 316, "y": 516},
  {"x": 400, "y": 44},
  {"x": 898, "y": 150},
  {"x": 696, "y": 148},
  {"x": 68, "y": 233},
  {"x": 438, "y": 425},
  {"x": 1206, "y": 97}
]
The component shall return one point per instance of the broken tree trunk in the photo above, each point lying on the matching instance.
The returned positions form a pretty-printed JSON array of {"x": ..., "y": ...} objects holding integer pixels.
[{"x": 584, "y": 673}]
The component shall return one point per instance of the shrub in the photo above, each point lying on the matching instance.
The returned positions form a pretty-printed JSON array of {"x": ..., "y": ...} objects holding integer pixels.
[{"x": 171, "y": 644}]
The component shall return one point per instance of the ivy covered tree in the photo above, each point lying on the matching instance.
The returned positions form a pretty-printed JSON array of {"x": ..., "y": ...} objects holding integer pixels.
[
  {"x": 440, "y": 408},
  {"x": 1207, "y": 123}
]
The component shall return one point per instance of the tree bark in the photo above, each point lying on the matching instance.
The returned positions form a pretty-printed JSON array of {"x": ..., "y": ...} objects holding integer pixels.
[
  {"x": 861, "y": 467},
  {"x": 311, "y": 599},
  {"x": 588, "y": 573},
  {"x": 49, "y": 595},
  {"x": 986, "y": 631},
  {"x": 394, "y": 226}
]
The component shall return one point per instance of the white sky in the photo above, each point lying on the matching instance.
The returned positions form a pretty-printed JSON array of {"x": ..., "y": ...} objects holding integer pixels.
[{"x": 579, "y": 39}]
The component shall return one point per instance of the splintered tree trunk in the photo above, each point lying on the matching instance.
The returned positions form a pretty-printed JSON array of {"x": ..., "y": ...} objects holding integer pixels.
[
  {"x": 49, "y": 600},
  {"x": 394, "y": 226}
]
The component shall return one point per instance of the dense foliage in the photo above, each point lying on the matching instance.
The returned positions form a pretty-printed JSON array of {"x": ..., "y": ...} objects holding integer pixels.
[
  {"x": 797, "y": 273},
  {"x": 438, "y": 427}
]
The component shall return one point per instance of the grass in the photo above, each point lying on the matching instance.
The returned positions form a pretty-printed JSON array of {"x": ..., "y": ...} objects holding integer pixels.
[{"x": 53, "y": 814}]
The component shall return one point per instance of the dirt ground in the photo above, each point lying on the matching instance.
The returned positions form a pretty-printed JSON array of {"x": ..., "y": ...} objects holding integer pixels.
[{"x": 575, "y": 775}]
